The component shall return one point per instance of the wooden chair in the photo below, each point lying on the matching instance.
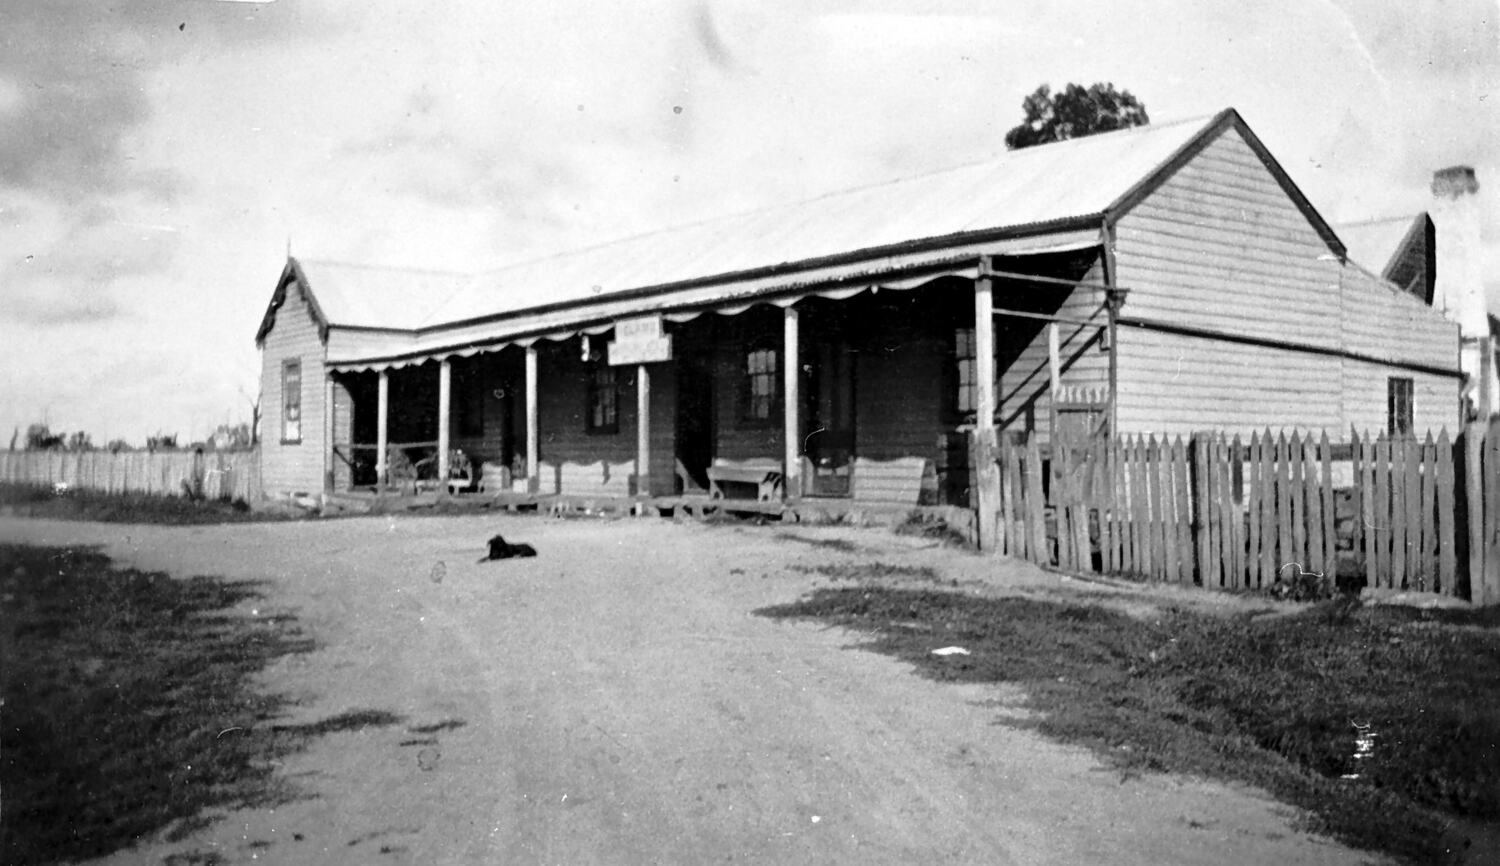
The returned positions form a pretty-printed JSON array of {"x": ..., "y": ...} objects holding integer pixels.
[
  {"x": 460, "y": 471},
  {"x": 400, "y": 471},
  {"x": 494, "y": 478}
]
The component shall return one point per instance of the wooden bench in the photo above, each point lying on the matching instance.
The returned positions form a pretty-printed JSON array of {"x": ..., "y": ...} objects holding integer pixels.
[
  {"x": 762, "y": 472},
  {"x": 901, "y": 480},
  {"x": 599, "y": 479}
]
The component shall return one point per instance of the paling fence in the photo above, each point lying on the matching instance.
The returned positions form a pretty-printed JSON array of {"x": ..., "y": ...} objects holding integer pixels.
[
  {"x": 224, "y": 475},
  {"x": 1241, "y": 513}
]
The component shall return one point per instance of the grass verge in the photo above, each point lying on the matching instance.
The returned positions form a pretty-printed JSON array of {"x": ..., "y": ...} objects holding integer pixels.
[
  {"x": 29, "y": 500},
  {"x": 1270, "y": 701},
  {"x": 127, "y": 704}
]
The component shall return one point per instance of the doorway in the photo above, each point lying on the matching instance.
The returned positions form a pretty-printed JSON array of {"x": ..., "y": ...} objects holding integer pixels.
[
  {"x": 695, "y": 417},
  {"x": 828, "y": 433}
]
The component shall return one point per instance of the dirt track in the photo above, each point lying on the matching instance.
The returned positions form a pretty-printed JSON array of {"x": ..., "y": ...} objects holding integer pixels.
[{"x": 615, "y": 701}]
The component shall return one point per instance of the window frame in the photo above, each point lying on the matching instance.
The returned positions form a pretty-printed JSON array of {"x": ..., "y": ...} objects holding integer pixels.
[
  {"x": 748, "y": 378},
  {"x": 291, "y": 401},
  {"x": 1400, "y": 406},
  {"x": 964, "y": 391},
  {"x": 596, "y": 388}
]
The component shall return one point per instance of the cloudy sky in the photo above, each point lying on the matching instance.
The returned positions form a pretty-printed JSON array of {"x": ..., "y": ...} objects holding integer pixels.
[{"x": 157, "y": 156}]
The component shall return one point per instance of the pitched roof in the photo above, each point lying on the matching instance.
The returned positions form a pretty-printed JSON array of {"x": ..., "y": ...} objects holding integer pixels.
[
  {"x": 1399, "y": 249},
  {"x": 1021, "y": 190},
  {"x": 367, "y": 296},
  {"x": 1035, "y": 191}
]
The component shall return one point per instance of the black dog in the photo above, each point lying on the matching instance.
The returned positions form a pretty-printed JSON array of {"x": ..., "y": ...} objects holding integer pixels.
[{"x": 502, "y": 549}]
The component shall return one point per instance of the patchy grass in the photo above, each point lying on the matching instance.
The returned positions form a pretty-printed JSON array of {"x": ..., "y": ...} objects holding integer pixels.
[
  {"x": 1270, "y": 701},
  {"x": 842, "y": 545},
  {"x": 128, "y": 708},
  {"x": 875, "y": 572},
  {"x": 935, "y": 528},
  {"x": 29, "y": 500}
]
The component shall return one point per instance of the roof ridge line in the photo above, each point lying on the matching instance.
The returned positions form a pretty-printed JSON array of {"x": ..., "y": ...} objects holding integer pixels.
[{"x": 975, "y": 163}]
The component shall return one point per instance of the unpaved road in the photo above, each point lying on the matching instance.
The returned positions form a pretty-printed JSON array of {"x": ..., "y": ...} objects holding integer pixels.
[{"x": 616, "y": 701}]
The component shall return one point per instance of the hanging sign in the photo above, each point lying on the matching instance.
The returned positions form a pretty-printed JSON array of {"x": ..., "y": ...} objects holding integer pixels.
[{"x": 639, "y": 341}]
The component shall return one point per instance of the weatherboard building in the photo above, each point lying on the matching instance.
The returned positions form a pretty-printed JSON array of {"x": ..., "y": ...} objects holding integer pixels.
[{"x": 1164, "y": 279}]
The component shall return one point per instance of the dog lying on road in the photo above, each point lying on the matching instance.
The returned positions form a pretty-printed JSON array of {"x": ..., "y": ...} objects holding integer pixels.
[{"x": 502, "y": 549}]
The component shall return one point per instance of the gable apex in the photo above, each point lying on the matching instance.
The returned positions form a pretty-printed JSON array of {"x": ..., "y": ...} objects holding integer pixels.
[
  {"x": 1226, "y": 120},
  {"x": 291, "y": 272}
]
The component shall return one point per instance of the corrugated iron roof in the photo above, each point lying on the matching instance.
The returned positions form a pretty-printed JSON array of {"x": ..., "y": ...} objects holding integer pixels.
[
  {"x": 1375, "y": 243},
  {"x": 1034, "y": 187},
  {"x": 368, "y": 296}
]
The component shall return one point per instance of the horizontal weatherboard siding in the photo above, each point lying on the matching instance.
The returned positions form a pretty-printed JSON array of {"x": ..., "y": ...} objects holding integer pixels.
[
  {"x": 292, "y": 467},
  {"x": 1239, "y": 317}
]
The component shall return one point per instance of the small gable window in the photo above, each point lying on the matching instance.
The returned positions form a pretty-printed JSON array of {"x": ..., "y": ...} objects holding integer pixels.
[{"x": 291, "y": 402}]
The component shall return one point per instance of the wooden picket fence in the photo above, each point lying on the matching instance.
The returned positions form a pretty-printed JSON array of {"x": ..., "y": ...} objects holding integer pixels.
[
  {"x": 225, "y": 475},
  {"x": 1232, "y": 513}
]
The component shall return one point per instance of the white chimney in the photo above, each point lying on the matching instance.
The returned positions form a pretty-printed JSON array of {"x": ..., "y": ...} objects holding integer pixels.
[{"x": 1459, "y": 290}]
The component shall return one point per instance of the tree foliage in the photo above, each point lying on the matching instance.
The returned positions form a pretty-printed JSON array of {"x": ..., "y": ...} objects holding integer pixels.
[
  {"x": 162, "y": 442},
  {"x": 39, "y": 437},
  {"x": 1075, "y": 112}
]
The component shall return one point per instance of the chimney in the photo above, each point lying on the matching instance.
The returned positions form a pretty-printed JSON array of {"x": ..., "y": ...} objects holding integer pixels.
[{"x": 1459, "y": 288}]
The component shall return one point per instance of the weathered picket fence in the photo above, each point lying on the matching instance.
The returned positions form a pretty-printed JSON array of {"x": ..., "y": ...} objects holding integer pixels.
[
  {"x": 225, "y": 475},
  {"x": 1232, "y": 513}
]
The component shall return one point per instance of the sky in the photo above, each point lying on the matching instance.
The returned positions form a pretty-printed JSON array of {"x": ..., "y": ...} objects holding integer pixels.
[{"x": 158, "y": 158}]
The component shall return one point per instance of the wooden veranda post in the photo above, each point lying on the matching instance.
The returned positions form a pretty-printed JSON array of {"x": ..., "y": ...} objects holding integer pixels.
[
  {"x": 1114, "y": 298},
  {"x": 329, "y": 455},
  {"x": 791, "y": 401},
  {"x": 1054, "y": 378},
  {"x": 986, "y": 471},
  {"x": 445, "y": 404},
  {"x": 642, "y": 430},
  {"x": 533, "y": 439},
  {"x": 382, "y": 438}
]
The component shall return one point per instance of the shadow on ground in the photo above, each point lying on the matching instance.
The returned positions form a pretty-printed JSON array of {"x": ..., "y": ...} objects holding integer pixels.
[{"x": 128, "y": 705}]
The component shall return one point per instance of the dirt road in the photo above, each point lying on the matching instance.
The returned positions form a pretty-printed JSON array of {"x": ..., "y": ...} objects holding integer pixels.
[{"x": 616, "y": 701}]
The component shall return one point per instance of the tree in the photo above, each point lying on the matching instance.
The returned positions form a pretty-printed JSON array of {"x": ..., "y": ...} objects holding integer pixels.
[
  {"x": 231, "y": 437},
  {"x": 80, "y": 441},
  {"x": 1074, "y": 113},
  {"x": 162, "y": 442},
  {"x": 39, "y": 437}
]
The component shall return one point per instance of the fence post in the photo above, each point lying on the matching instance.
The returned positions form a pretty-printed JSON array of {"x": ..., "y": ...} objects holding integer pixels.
[
  {"x": 1473, "y": 445},
  {"x": 1491, "y": 492}
]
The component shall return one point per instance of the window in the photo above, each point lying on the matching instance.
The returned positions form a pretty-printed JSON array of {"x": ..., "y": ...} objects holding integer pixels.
[
  {"x": 760, "y": 385},
  {"x": 291, "y": 402},
  {"x": 469, "y": 386},
  {"x": 604, "y": 400},
  {"x": 963, "y": 358},
  {"x": 1398, "y": 397}
]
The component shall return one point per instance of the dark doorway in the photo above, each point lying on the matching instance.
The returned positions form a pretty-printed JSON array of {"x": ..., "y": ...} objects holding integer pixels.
[
  {"x": 695, "y": 417},
  {"x": 828, "y": 433}
]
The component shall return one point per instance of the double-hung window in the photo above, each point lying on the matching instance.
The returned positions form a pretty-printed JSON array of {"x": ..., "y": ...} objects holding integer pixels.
[
  {"x": 603, "y": 399},
  {"x": 291, "y": 402},
  {"x": 760, "y": 389}
]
